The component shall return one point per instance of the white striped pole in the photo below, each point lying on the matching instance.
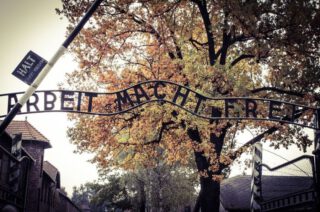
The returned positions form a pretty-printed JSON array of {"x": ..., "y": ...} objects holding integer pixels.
[
  {"x": 256, "y": 196},
  {"x": 32, "y": 88}
]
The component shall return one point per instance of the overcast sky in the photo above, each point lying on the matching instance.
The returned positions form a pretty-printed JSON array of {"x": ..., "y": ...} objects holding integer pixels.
[{"x": 33, "y": 25}]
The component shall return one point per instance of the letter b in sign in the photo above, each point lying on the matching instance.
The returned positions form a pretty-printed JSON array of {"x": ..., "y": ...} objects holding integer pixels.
[{"x": 29, "y": 68}]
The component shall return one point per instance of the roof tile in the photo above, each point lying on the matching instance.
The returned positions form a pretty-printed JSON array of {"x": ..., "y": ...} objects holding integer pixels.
[
  {"x": 51, "y": 170},
  {"x": 28, "y": 131}
]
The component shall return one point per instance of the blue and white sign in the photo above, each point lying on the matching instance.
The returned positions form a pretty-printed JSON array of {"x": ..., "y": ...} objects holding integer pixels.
[{"x": 29, "y": 68}]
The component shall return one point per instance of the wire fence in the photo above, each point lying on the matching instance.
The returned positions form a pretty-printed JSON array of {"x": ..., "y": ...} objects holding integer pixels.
[{"x": 288, "y": 177}]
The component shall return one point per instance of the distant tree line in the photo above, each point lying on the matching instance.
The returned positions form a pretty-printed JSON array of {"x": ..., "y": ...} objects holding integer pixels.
[{"x": 160, "y": 188}]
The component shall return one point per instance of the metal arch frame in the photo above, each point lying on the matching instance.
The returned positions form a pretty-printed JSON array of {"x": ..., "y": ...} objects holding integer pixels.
[{"x": 163, "y": 100}]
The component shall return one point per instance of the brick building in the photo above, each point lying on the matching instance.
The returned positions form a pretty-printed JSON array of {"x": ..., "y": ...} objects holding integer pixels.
[{"x": 38, "y": 181}]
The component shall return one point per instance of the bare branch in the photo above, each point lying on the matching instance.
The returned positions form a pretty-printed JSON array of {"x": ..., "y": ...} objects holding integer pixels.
[
  {"x": 164, "y": 126},
  {"x": 195, "y": 43},
  {"x": 202, "y": 5},
  {"x": 241, "y": 57},
  {"x": 278, "y": 90}
]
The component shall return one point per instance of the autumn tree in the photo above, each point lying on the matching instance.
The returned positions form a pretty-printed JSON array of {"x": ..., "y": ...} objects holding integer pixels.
[{"x": 267, "y": 49}]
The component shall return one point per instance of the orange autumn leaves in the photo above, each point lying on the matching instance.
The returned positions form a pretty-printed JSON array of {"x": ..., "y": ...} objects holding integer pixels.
[
  {"x": 129, "y": 42},
  {"x": 118, "y": 52}
]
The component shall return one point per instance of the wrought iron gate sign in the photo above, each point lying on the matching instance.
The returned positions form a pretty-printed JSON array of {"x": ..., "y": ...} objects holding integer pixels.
[{"x": 196, "y": 103}]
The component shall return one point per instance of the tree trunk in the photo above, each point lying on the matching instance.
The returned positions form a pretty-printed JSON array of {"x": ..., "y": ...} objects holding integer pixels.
[
  {"x": 142, "y": 200},
  {"x": 209, "y": 196}
]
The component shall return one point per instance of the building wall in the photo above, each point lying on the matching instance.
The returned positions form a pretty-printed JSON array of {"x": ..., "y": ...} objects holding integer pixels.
[
  {"x": 48, "y": 200},
  {"x": 5, "y": 142},
  {"x": 36, "y": 150},
  {"x": 7, "y": 196},
  {"x": 66, "y": 205},
  {"x": 43, "y": 194}
]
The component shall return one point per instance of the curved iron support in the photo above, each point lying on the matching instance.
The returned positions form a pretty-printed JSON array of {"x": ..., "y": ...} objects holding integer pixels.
[{"x": 180, "y": 96}]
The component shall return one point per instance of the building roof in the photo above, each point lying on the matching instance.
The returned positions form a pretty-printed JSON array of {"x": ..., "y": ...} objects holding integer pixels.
[
  {"x": 29, "y": 132},
  {"x": 52, "y": 172},
  {"x": 28, "y": 154},
  {"x": 236, "y": 191},
  {"x": 63, "y": 194}
]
